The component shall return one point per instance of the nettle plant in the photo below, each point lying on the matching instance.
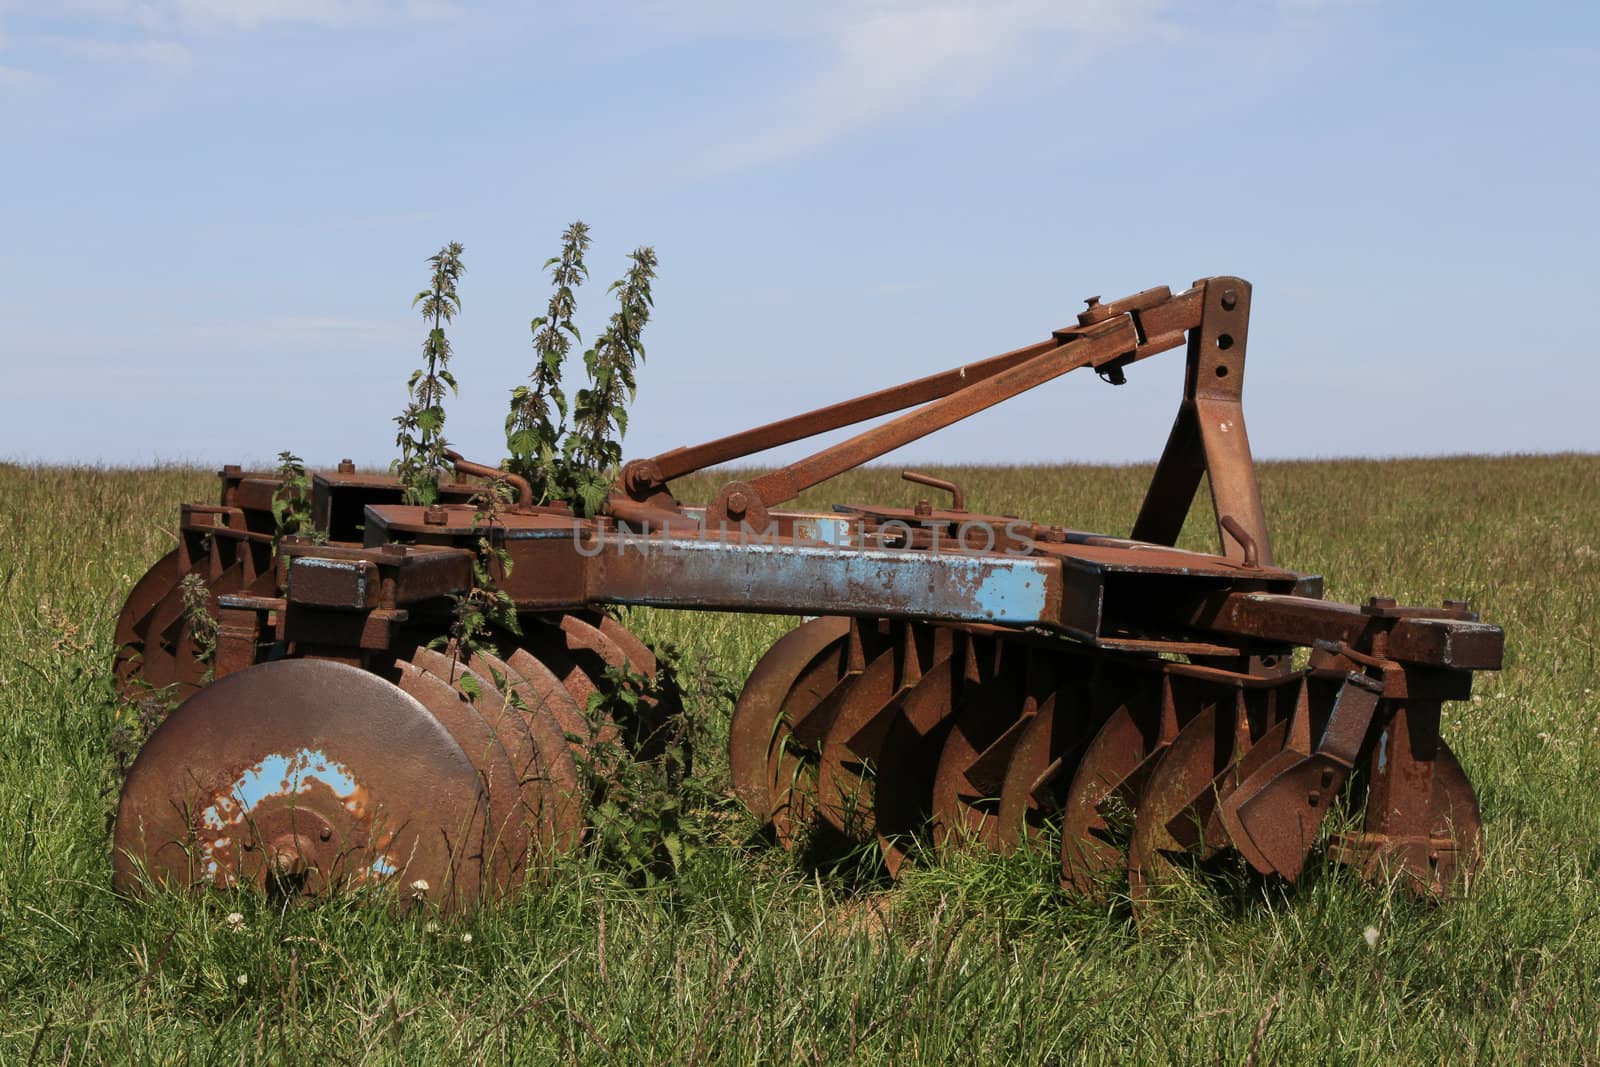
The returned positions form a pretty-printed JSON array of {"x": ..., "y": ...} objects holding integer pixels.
[
  {"x": 421, "y": 437},
  {"x": 577, "y": 464},
  {"x": 572, "y": 462}
]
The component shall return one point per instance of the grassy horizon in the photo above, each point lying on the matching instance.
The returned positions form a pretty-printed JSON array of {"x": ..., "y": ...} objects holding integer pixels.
[{"x": 748, "y": 956}]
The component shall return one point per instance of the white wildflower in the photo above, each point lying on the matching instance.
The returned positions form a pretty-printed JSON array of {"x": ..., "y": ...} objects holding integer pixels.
[
  {"x": 419, "y": 887},
  {"x": 243, "y": 980},
  {"x": 430, "y": 927},
  {"x": 466, "y": 939},
  {"x": 234, "y": 922},
  {"x": 1370, "y": 935}
]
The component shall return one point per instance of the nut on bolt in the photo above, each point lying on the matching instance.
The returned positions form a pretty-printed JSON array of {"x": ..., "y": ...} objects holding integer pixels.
[
  {"x": 738, "y": 503},
  {"x": 347, "y": 466},
  {"x": 434, "y": 516}
]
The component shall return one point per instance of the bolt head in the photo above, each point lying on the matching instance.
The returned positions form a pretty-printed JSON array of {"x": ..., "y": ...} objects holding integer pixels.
[
  {"x": 434, "y": 516},
  {"x": 347, "y": 466},
  {"x": 738, "y": 502},
  {"x": 1230, "y": 299}
]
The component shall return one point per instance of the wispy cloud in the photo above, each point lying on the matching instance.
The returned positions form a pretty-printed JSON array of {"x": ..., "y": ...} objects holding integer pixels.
[{"x": 867, "y": 62}]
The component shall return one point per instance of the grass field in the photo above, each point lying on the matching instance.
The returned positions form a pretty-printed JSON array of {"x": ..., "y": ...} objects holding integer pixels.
[{"x": 745, "y": 957}]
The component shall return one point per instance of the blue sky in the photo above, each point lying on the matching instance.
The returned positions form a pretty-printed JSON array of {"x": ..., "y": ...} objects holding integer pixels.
[{"x": 217, "y": 212}]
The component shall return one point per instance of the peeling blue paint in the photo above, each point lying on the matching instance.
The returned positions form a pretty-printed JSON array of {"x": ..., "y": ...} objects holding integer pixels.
[
  {"x": 823, "y": 580},
  {"x": 292, "y": 774}
]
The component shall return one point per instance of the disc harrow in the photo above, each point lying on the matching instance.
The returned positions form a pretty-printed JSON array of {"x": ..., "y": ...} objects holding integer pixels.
[{"x": 962, "y": 680}]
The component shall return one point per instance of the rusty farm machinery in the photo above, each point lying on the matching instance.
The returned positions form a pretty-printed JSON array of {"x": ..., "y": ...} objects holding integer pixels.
[{"x": 963, "y": 680}]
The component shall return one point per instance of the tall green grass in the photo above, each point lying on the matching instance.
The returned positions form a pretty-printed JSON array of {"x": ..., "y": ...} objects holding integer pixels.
[{"x": 750, "y": 957}]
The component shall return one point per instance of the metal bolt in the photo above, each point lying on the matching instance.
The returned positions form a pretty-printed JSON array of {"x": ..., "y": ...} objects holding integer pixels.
[
  {"x": 737, "y": 502},
  {"x": 1313, "y": 798},
  {"x": 923, "y": 508},
  {"x": 1455, "y": 605},
  {"x": 434, "y": 516},
  {"x": 1091, "y": 302},
  {"x": 347, "y": 466},
  {"x": 232, "y": 468},
  {"x": 392, "y": 549},
  {"x": 325, "y": 833},
  {"x": 1382, "y": 602},
  {"x": 1230, "y": 299}
]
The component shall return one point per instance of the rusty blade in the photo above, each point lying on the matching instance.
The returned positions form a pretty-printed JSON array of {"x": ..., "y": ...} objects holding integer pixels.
[
  {"x": 966, "y": 789},
  {"x": 559, "y": 785},
  {"x": 1124, "y": 749},
  {"x": 1168, "y": 815},
  {"x": 1042, "y": 763},
  {"x": 756, "y": 714},
  {"x": 505, "y": 837},
  {"x": 852, "y": 745},
  {"x": 908, "y": 760},
  {"x": 156, "y": 583},
  {"x": 287, "y": 769}
]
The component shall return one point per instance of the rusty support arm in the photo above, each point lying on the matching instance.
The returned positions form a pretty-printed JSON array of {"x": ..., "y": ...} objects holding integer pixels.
[
  {"x": 680, "y": 461},
  {"x": 1107, "y": 338}
]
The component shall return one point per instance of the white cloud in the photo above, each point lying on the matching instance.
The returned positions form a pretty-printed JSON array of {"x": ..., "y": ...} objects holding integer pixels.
[{"x": 879, "y": 59}]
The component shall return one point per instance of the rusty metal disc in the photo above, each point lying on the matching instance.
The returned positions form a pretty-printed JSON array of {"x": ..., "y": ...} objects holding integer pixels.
[
  {"x": 308, "y": 774},
  {"x": 581, "y": 731},
  {"x": 760, "y": 704},
  {"x": 505, "y": 834},
  {"x": 510, "y": 728},
  {"x": 560, "y": 786},
  {"x": 545, "y": 641},
  {"x": 966, "y": 788},
  {"x": 851, "y": 747},
  {"x": 639, "y": 656},
  {"x": 805, "y": 714},
  {"x": 130, "y": 636},
  {"x": 1097, "y": 808},
  {"x": 908, "y": 760},
  {"x": 1046, "y": 755},
  {"x": 1241, "y": 726}
]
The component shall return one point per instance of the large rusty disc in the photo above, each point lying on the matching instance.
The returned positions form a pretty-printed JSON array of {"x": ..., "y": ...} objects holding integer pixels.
[
  {"x": 160, "y": 580},
  {"x": 966, "y": 788},
  {"x": 755, "y": 716},
  {"x": 908, "y": 760},
  {"x": 795, "y": 749},
  {"x": 1179, "y": 800},
  {"x": 510, "y": 728},
  {"x": 1097, "y": 807},
  {"x": 309, "y": 775},
  {"x": 549, "y": 692},
  {"x": 559, "y": 785},
  {"x": 505, "y": 835},
  {"x": 851, "y": 746}
]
